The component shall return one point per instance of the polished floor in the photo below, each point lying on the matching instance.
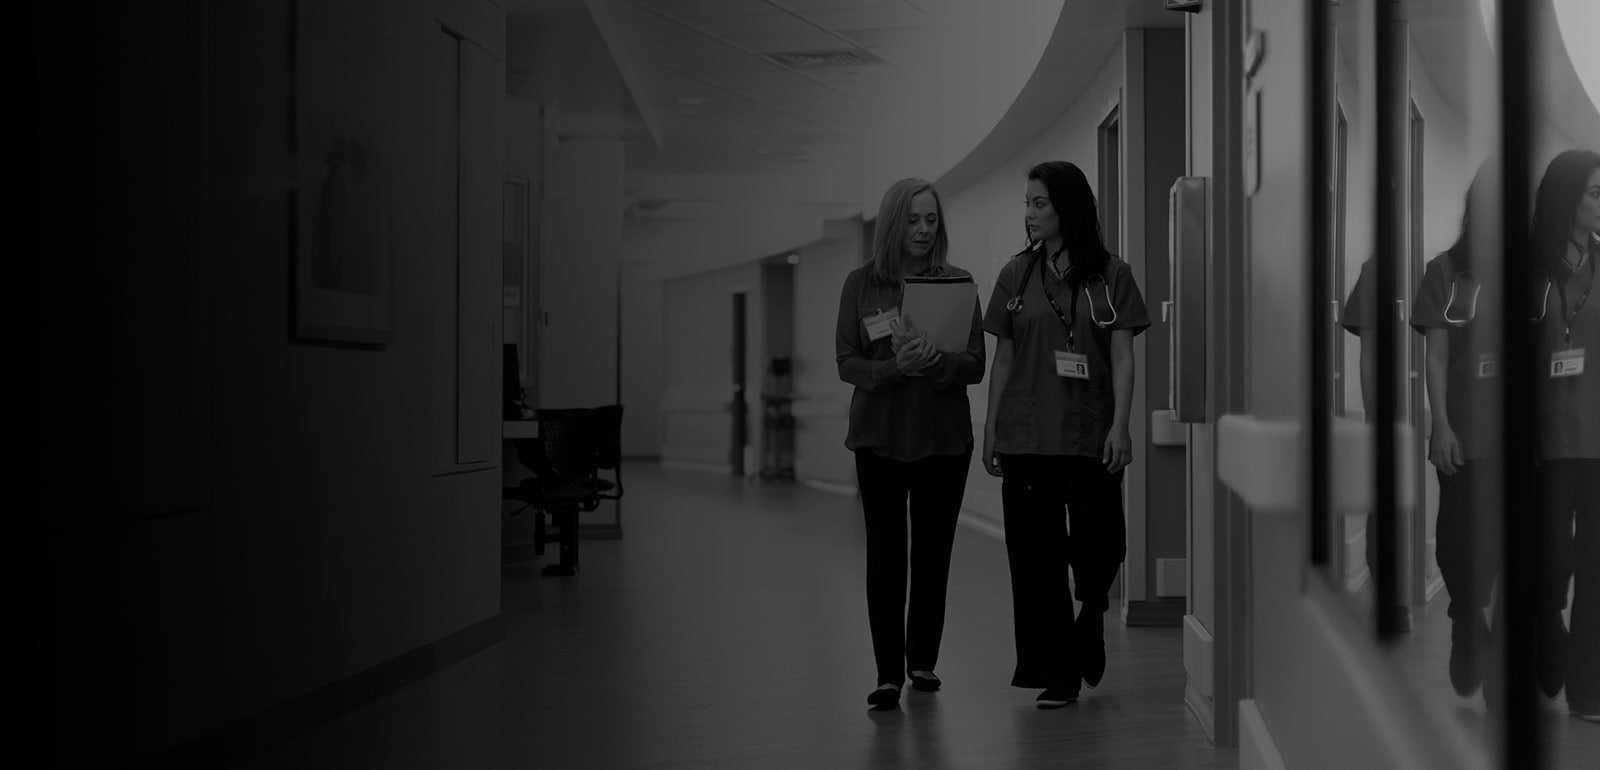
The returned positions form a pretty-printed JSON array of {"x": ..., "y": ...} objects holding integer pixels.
[
  {"x": 728, "y": 629},
  {"x": 1423, "y": 657}
]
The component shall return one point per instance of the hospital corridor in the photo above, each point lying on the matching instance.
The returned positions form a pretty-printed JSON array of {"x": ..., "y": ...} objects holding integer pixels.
[{"x": 804, "y": 384}]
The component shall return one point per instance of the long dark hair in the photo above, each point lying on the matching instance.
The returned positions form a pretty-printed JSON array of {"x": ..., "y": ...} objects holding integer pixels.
[
  {"x": 1079, "y": 218},
  {"x": 889, "y": 232},
  {"x": 1480, "y": 205},
  {"x": 1563, "y": 185}
]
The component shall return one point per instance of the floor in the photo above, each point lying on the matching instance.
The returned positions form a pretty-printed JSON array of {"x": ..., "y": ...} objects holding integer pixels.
[
  {"x": 728, "y": 629},
  {"x": 1424, "y": 657}
]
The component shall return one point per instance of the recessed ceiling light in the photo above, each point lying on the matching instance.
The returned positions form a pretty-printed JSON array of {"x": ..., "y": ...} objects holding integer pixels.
[{"x": 793, "y": 259}]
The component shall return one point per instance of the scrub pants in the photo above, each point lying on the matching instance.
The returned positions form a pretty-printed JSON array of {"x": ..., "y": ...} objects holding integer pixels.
[
  {"x": 1574, "y": 497},
  {"x": 1466, "y": 578},
  {"x": 905, "y": 640},
  {"x": 1033, "y": 491}
]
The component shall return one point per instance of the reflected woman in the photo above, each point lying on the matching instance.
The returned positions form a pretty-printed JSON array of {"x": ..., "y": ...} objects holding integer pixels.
[
  {"x": 1456, "y": 311},
  {"x": 1064, "y": 313},
  {"x": 911, "y": 431},
  {"x": 1566, "y": 247}
]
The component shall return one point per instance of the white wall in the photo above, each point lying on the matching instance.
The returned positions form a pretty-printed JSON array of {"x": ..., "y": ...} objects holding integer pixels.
[
  {"x": 643, "y": 363},
  {"x": 697, "y": 426},
  {"x": 822, "y": 405}
]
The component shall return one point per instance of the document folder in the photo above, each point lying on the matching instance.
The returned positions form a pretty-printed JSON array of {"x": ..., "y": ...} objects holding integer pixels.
[{"x": 942, "y": 308}]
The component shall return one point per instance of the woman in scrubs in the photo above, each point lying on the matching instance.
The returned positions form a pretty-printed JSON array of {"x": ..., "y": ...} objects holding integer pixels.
[
  {"x": 1566, "y": 246},
  {"x": 1456, "y": 311},
  {"x": 1064, "y": 313}
]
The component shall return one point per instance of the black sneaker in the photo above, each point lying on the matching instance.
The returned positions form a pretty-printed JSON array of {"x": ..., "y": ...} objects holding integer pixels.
[
  {"x": 885, "y": 698},
  {"x": 925, "y": 681},
  {"x": 1465, "y": 633},
  {"x": 1055, "y": 697},
  {"x": 1089, "y": 637}
]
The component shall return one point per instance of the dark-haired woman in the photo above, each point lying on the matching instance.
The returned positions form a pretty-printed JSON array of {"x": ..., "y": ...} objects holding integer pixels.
[
  {"x": 1456, "y": 311},
  {"x": 911, "y": 431},
  {"x": 1565, "y": 248},
  {"x": 1064, "y": 313}
]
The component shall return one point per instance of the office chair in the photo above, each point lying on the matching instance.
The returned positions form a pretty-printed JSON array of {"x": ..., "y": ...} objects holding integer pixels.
[{"x": 564, "y": 462}]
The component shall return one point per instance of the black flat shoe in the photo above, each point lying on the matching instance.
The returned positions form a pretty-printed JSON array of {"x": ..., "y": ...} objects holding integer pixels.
[
  {"x": 925, "y": 681},
  {"x": 1055, "y": 697},
  {"x": 885, "y": 698}
]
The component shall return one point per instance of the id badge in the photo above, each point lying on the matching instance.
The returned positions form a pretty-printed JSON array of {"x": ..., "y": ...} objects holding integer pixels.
[
  {"x": 878, "y": 325},
  {"x": 1073, "y": 365},
  {"x": 1566, "y": 363},
  {"x": 1488, "y": 365}
]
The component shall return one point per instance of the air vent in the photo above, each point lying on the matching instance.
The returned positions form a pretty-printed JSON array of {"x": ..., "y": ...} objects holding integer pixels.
[{"x": 847, "y": 57}]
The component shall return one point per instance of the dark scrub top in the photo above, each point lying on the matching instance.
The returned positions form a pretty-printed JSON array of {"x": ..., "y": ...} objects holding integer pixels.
[
  {"x": 902, "y": 418},
  {"x": 1569, "y": 413},
  {"x": 1040, "y": 412},
  {"x": 1452, "y": 300}
]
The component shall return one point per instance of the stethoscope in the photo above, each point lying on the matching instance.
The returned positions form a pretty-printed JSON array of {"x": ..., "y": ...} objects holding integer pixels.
[
  {"x": 1015, "y": 304},
  {"x": 1472, "y": 303}
]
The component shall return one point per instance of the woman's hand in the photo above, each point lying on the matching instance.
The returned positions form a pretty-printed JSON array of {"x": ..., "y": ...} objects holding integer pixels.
[
  {"x": 1118, "y": 452},
  {"x": 1444, "y": 450},
  {"x": 901, "y": 331},
  {"x": 991, "y": 461},
  {"x": 914, "y": 356}
]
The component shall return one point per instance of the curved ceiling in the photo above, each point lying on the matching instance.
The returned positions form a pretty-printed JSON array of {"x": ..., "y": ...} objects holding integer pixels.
[
  {"x": 1446, "y": 31},
  {"x": 805, "y": 101}
]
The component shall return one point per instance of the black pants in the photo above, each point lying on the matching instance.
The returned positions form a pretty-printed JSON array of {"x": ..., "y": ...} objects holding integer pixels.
[
  {"x": 1468, "y": 574},
  {"x": 1034, "y": 490},
  {"x": 908, "y": 640},
  {"x": 1574, "y": 552}
]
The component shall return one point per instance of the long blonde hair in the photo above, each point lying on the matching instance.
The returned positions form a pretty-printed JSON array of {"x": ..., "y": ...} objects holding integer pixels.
[{"x": 889, "y": 233}]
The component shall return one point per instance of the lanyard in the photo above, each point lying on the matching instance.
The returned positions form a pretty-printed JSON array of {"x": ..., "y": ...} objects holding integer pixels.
[
  {"x": 1056, "y": 306},
  {"x": 1582, "y": 298}
]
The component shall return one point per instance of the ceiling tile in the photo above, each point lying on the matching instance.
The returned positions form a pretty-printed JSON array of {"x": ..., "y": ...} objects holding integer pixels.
[
  {"x": 738, "y": 28},
  {"x": 702, "y": 7},
  {"x": 845, "y": 21}
]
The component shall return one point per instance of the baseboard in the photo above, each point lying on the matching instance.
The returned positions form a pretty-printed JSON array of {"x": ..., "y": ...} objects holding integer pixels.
[
  {"x": 277, "y": 724},
  {"x": 1156, "y": 613},
  {"x": 1257, "y": 750},
  {"x": 1203, "y": 709}
]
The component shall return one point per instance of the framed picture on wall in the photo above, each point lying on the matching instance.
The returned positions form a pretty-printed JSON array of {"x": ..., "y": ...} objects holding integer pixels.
[{"x": 344, "y": 213}]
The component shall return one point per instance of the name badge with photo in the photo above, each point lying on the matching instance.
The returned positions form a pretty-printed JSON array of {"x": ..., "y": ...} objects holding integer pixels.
[
  {"x": 1566, "y": 363},
  {"x": 1489, "y": 365},
  {"x": 1073, "y": 365},
  {"x": 878, "y": 326}
]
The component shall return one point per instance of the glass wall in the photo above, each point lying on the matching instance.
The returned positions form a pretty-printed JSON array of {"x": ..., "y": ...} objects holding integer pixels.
[{"x": 1456, "y": 427}]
